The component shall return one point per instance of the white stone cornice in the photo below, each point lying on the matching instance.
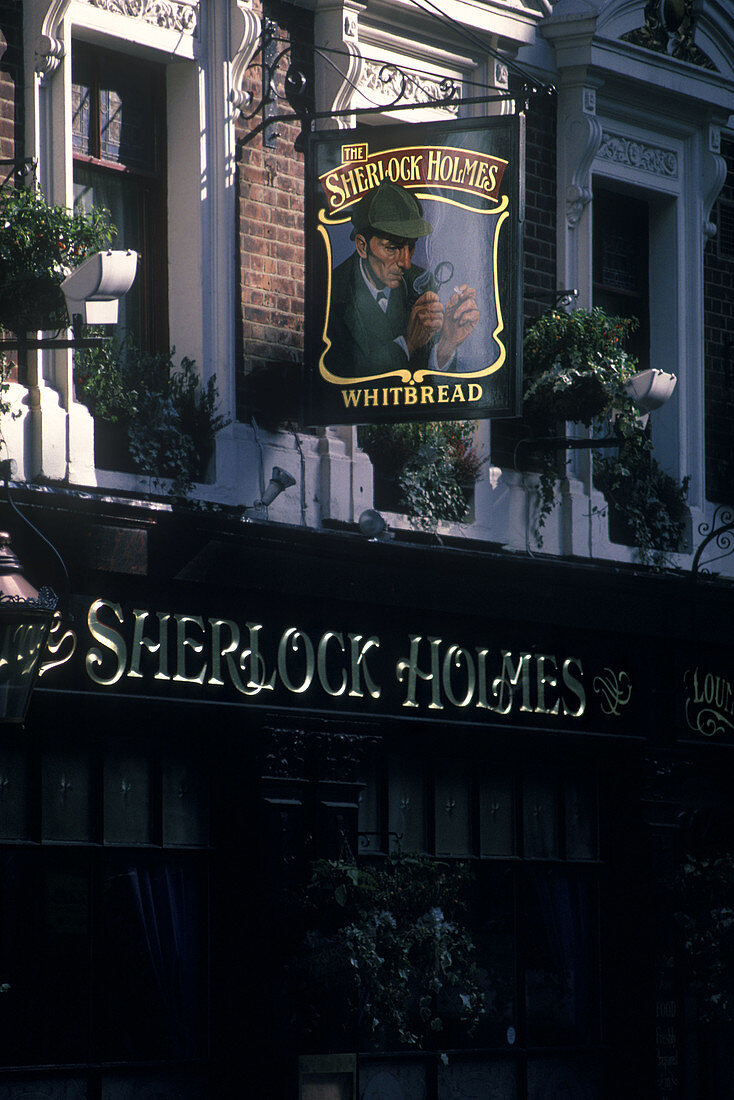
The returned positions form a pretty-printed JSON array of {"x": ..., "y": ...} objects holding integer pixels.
[
  {"x": 244, "y": 44},
  {"x": 180, "y": 16}
]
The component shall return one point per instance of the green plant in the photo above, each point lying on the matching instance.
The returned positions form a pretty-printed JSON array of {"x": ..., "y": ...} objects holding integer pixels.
[
  {"x": 704, "y": 901},
  {"x": 431, "y": 466},
  {"x": 40, "y": 245},
  {"x": 575, "y": 366},
  {"x": 385, "y": 953},
  {"x": 577, "y": 369},
  {"x": 650, "y": 503},
  {"x": 170, "y": 418}
]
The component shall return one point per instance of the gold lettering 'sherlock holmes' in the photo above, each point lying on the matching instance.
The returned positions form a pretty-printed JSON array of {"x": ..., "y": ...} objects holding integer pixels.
[{"x": 219, "y": 653}]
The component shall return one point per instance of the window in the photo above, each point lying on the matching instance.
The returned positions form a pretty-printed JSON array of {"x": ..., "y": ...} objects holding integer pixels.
[
  {"x": 103, "y": 907},
  {"x": 621, "y": 264},
  {"x": 118, "y": 135},
  {"x": 532, "y": 836}
]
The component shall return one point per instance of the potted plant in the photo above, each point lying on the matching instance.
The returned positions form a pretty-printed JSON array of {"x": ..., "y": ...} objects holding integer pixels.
[
  {"x": 578, "y": 370},
  {"x": 161, "y": 419},
  {"x": 40, "y": 245},
  {"x": 576, "y": 367},
  {"x": 385, "y": 957},
  {"x": 427, "y": 471}
]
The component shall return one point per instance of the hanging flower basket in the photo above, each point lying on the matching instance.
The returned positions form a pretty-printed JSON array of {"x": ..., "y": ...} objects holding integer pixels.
[{"x": 575, "y": 367}]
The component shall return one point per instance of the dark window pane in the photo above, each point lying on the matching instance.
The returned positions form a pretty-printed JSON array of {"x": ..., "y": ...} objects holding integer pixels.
[
  {"x": 20, "y": 962},
  {"x": 153, "y": 960},
  {"x": 452, "y": 812},
  {"x": 540, "y": 817},
  {"x": 127, "y": 805},
  {"x": 13, "y": 793},
  {"x": 81, "y": 122},
  {"x": 497, "y": 815},
  {"x": 562, "y": 1078},
  {"x": 67, "y": 796},
  {"x": 370, "y": 808},
  {"x": 380, "y": 1081},
  {"x": 581, "y": 818},
  {"x": 64, "y": 956},
  {"x": 559, "y": 936},
  {"x": 407, "y": 804},
  {"x": 149, "y": 1085},
  {"x": 125, "y": 123},
  {"x": 185, "y": 801},
  {"x": 495, "y": 941},
  {"x": 477, "y": 1079}
]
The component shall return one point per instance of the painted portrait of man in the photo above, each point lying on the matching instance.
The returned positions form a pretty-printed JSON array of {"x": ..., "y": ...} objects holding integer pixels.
[{"x": 385, "y": 313}]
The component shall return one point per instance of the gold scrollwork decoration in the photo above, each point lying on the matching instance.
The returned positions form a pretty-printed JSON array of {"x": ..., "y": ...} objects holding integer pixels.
[
  {"x": 55, "y": 643},
  {"x": 614, "y": 689}
]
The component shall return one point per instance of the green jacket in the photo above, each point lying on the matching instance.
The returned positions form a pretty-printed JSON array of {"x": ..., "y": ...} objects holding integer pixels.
[{"x": 362, "y": 336}]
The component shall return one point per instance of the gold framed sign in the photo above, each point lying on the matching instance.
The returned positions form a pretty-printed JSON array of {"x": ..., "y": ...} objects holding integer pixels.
[{"x": 414, "y": 278}]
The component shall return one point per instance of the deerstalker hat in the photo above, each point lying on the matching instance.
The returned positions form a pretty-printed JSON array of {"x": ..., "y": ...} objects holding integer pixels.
[{"x": 390, "y": 209}]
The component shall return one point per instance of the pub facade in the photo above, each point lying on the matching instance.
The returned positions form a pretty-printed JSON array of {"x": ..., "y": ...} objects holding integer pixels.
[{"x": 274, "y": 662}]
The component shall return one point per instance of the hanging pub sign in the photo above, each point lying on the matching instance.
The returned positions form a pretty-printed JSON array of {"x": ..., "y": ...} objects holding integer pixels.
[{"x": 414, "y": 280}]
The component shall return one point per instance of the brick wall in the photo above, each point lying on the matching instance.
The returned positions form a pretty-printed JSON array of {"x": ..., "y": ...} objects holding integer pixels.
[
  {"x": 11, "y": 82},
  {"x": 271, "y": 189},
  {"x": 540, "y": 207},
  {"x": 719, "y": 344},
  {"x": 539, "y": 244}
]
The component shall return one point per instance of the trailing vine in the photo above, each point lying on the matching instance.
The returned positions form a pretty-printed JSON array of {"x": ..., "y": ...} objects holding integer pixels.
[{"x": 429, "y": 468}]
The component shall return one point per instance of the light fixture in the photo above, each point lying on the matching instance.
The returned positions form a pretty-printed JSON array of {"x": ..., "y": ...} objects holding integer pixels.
[
  {"x": 651, "y": 388},
  {"x": 93, "y": 289},
  {"x": 280, "y": 480},
  {"x": 374, "y": 526},
  {"x": 25, "y": 620}
]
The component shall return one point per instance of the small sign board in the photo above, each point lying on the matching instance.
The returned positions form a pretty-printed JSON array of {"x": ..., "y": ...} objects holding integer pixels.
[{"x": 414, "y": 272}]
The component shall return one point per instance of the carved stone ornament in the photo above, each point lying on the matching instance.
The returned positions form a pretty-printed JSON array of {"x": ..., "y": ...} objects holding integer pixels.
[
  {"x": 49, "y": 46},
  {"x": 391, "y": 84},
  {"x": 245, "y": 44},
  {"x": 172, "y": 15},
  {"x": 670, "y": 29},
  {"x": 639, "y": 155}
]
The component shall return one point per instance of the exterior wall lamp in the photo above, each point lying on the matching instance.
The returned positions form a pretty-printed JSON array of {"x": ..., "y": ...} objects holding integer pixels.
[
  {"x": 25, "y": 621},
  {"x": 26, "y": 616},
  {"x": 280, "y": 480},
  {"x": 374, "y": 526}
]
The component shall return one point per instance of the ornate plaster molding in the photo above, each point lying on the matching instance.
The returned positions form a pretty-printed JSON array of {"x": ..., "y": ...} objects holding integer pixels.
[
  {"x": 639, "y": 155},
  {"x": 583, "y": 138},
  {"x": 353, "y": 72},
  {"x": 172, "y": 15},
  {"x": 244, "y": 44},
  {"x": 386, "y": 81},
  {"x": 714, "y": 176},
  {"x": 49, "y": 45},
  {"x": 338, "y": 70}
]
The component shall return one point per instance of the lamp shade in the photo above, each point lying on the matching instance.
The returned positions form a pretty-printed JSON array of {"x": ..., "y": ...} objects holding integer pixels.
[{"x": 25, "y": 620}]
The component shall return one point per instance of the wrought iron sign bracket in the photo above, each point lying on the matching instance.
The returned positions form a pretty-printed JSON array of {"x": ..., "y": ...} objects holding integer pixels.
[
  {"x": 721, "y": 532},
  {"x": 297, "y": 92}
]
